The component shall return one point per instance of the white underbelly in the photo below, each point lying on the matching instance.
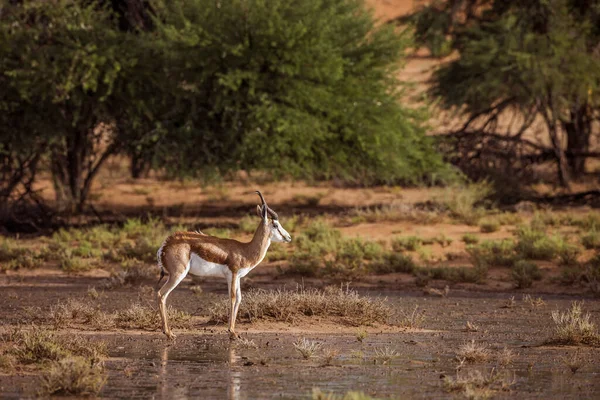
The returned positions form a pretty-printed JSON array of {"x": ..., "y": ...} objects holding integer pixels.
[{"x": 201, "y": 267}]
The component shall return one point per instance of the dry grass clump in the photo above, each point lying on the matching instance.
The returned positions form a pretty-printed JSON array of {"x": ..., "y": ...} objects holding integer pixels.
[
  {"x": 408, "y": 243},
  {"x": 133, "y": 273},
  {"x": 288, "y": 305},
  {"x": 81, "y": 312},
  {"x": 75, "y": 312},
  {"x": 138, "y": 316},
  {"x": 591, "y": 239},
  {"x": 472, "y": 352},
  {"x": 573, "y": 327},
  {"x": 465, "y": 202},
  {"x": 476, "y": 384},
  {"x": 73, "y": 376},
  {"x": 385, "y": 355},
  {"x": 413, "y": 319},
  {"x": 38, "y": 345},
  {"x": 307, "y": 348}
]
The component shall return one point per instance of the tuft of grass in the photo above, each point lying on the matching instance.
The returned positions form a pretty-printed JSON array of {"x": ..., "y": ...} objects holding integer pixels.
[
  {"x": 524, "y": 273},
  {"x": 73, "y": 376},
  {"x": 476, "y": 384},
  {"x": 138, "y": 316},
  {"x": 329, "y": 355},
  {"x": 470, "y": 238},
  {"x": 469, "y": 327},
  {"x": 307, "y": 348},
  {"x": 289, "y": 305},
  {"x": 385, "y": 355},
  {"x": 472, "y": 352},
  {"x": 573, "y": 327},
  {"x": 505, "y": 357},
  {"x": 489, "y": 226},
  {"x": 361, "y": 334},
  {"x": 38, "y": 345},
  {"x": 413, "y": 319}
]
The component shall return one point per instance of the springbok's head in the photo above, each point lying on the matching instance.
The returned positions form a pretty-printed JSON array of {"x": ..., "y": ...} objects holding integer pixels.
[{"x": 271, "y": 220}]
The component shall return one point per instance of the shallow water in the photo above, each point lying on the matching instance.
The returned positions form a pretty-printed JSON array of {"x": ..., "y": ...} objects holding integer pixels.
[{"x": 205, "y": 364}]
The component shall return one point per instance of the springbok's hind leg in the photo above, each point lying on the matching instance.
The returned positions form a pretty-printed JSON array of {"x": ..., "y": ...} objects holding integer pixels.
[{"x": 171, "y": 283}]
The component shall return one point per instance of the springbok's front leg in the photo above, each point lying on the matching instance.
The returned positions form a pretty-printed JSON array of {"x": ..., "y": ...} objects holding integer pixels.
[{"x": 233, "y": 295}]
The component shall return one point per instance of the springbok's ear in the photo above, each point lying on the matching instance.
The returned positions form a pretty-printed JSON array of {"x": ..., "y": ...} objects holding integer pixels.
[{"x": 258, "y": 211}]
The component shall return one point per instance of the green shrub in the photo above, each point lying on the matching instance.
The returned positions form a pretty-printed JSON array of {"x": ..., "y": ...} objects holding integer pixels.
[
  {"x": 524, "y": 273},
  {"x": 393, "y": 262},
  {"x": 535, "y": 244},
  {"x": 409, "y": 243},
  {"x": 493, "y": 253}
]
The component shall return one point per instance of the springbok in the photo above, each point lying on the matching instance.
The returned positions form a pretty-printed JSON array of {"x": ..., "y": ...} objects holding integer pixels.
[{"x": 204, "y": 255}]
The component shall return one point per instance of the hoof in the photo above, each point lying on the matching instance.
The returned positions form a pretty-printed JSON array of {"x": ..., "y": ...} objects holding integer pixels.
[
  {"x": 233, "y": 336},
  {"x": 170, "y": 335}
]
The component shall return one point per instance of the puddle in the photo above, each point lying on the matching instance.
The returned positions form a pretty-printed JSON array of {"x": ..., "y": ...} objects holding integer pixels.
[{"x": 207, "y": 365}]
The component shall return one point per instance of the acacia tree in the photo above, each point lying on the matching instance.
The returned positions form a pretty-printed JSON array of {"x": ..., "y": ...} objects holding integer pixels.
[
  {"x": 305, "y": 88},
  {"x": 540, "y": 58},
  {"x": 66, "y": 70}
]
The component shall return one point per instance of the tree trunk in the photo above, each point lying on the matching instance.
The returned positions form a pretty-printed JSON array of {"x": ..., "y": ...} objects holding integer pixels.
[
  {"x": 74, "y": 167},
  {"x": 578, "y": 130}
]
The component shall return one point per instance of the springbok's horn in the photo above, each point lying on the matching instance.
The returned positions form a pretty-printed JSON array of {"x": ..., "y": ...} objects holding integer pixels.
[
  {"x": 272, "y": 213},
  {"x": 264, "y": 205}
]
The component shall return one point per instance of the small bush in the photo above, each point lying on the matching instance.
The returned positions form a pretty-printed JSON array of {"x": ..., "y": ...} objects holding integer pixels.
[
  {"x": 472, "y": 352},
  {"x": 477, "y": 385},
  {"x": 38, "y": 345},
  {"x": 568, "y": 253},
  {"x": 535, "y": 244},
  {"x": 413, "y": 319},
  {"x": 409, "y": 243},
  {"x": 317, "y": 394},
  {"x": 73, "y": 376},
  {"x": 573, "y": 327},
  {"x": 307, "y": 348},
  {"x": 470, "y": 238},
  {"x": 591, "y": 239},
  {"x": 288, "y": 306},
  {"x": 489, "y": 226},
  {"x": 524, "y": 273},
  {"x": 493, "y": 253},
  {"x": 464, "y": 202},
  {"x": 393, "y": 262}
]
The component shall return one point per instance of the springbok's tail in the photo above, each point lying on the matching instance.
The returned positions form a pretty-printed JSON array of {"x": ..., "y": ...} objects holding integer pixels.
[{"x": 160, "y": 265}]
